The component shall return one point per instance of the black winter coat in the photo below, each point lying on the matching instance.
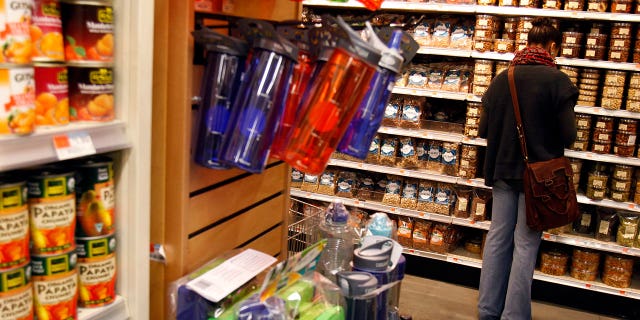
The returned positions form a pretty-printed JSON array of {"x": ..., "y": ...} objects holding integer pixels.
[{"x": 547, "y": 98}]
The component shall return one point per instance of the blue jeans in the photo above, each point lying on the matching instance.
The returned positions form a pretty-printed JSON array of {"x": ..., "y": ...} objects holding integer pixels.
[{"x": 509, "y": 258}]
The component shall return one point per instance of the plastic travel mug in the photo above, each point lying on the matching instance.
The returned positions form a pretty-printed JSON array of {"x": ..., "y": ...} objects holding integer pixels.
[{"x": 225, "y": 64}]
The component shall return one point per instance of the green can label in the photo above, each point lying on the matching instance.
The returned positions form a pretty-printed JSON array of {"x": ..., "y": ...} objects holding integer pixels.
[
  {"x": 15, "y": 278},
  {"x": 95, "y": 247},
  {"x": 55, "y": 186},
  {"x": 53, "y": 265},
  {"x": 13, "y": 196}
]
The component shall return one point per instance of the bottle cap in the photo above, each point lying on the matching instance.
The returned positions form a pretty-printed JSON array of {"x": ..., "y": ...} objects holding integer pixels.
[
  {"x": 217, "y": 42},
  {"x": 373, "y": 257},
  {"x": 336, "y": 213},
  {"x": 354, "y": 283},
  {"x": 391, "y": 58},
  {"x": 355, "y": 45}
]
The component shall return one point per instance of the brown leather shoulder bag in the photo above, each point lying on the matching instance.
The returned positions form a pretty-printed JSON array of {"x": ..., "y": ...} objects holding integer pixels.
[{"x": 549, "y": 192}]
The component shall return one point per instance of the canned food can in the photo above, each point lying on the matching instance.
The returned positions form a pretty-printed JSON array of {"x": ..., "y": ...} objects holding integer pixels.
[
  {"x": 46, "y": 31},
  {"x": 14, "y": 223},
  {"x": 88, "y": 29},
  {"x": 17, "y": 98},
  {"x": 52, "y": 94},
  {"x": 96, "y": 197},
  {"x": 15, "y": 17},
  {"x": 56, "y": 297},
  {"x": 52, "y": 210},
  {"x": 95, "y": 246},
  {"x": 91, "y": 92},
  {"x": 50, "y": 265},
  {"x": 15, "y": 278},
  {"x": 17, "y": 304},
  {"x": 97, "y": 281}
]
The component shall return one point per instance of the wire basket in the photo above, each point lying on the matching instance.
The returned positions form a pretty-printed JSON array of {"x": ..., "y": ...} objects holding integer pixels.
[{"x": 304, "y": 219}]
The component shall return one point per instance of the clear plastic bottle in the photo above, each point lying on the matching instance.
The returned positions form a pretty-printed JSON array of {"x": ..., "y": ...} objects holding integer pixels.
[{"x": 338, "y": 252}]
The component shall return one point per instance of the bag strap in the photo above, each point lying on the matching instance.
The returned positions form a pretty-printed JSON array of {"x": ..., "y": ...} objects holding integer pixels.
[{"x": 516, "y": 111}]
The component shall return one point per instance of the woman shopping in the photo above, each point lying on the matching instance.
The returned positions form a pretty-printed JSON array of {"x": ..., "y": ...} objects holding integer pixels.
[{"x": 547, "y": 98}]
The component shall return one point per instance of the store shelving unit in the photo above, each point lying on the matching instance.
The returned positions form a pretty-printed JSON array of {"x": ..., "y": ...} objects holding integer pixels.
[
  {"x": 127, "y": 140},
  {"x": 37, "y": 148},
  {"x": 460, "y": 256}
]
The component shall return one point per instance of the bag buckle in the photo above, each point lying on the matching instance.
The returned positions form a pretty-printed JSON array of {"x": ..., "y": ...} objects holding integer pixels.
[
  {"x": 548, "y": 182},
  {"x": 545, "y": 198}
]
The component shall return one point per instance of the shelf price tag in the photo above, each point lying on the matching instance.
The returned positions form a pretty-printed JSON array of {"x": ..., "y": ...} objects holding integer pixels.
[
  {"x": 73, "y": 145},
  {"x": 623, "y": 293},
  {"x": 625, "y": 250},
  {"x": 587, "y": 285}
]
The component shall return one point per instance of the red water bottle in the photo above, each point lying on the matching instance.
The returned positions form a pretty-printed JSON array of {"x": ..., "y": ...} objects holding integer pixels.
[
  {"x": 332, "y": 102},
  {"x": 299, "y": 80}
]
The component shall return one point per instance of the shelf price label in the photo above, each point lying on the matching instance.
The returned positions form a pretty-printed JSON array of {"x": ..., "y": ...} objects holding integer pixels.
[
  {"x": 587, "y": 285},
  {"x": 73, "y": 145}
]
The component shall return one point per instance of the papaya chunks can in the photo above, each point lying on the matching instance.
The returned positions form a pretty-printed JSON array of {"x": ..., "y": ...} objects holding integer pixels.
[
  {"x": 16, "y": 294},
  {"x": 52, "y": 94},
  {"x": 46, "y": 31},
  {"x": 17, "y": 304},
  {"x": 88, "y": 28},
  {"x": 17, "y": 99},
  {"x": 94, "y": 247},
  {"x": 56, "y": 297},
  {"x": 14, "y": 223},
  {"x": 95, "y": 205},
  {"x": 15, "y": 36},
  {"x": 91, "y": 92},
  {"x": 52, "y": 210},
  {"x": 97, "y": 281}
]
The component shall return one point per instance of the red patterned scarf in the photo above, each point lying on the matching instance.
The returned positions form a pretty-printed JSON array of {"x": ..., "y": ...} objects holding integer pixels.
[{"x": 533, "y": 55}]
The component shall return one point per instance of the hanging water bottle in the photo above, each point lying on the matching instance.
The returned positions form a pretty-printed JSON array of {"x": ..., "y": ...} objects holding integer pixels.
[
  {"x": 366, "y": 122},
  {"x": 331, "y": 104},
  {"x": 338, "y": 252},
  {"x": 259, "y": 106},
  {"x": 225, "y": 63},
  {"x": 299, "y": 80}
]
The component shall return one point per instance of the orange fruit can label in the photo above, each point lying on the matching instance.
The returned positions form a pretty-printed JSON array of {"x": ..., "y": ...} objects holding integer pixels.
[
  {"x": 97, "y": 281},
  {"x": 46, "y": 31},
  {"x": 14, "y": 237},
  {"x": 53, "y": 222},
  {"x": 52, "y": 95},
  {"x": 14, "y": 31},
  {"x": 17, "y": 100},
  {"x": 17, "y": 304},
  {"x": 91, "y": 93},
  {"x": 96, "y": 198},
  {"x": 52, "y": 211},
  {"x": 88, "y": 32},
  {"x": 56, "y": 297}
]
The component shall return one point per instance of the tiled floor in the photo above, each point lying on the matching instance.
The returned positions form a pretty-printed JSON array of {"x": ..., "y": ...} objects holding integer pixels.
[{"x": 426, "y": 299}]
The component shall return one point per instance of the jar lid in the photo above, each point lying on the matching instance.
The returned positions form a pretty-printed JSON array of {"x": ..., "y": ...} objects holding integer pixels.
[
  {"x": 572, "y": 33},
  {"x": 557, "y": 253},
  {"x": 620, "y": 36},
  {"x": 596, "y": 35},
  {"x": 571, "y": 45},
  {"x": 582, "y": 116},
  {"x": 596, "y": 47},
  {"x": 626, "y": 120},
  {"x": 604, "y": 118},
  {"x": 618, "y": 49},
  {"x": 484, "y": 61},
  {"x": 569, "y": 68},
  {"x": 622, "y": 24},
  {"x": 616, "y": 72}
]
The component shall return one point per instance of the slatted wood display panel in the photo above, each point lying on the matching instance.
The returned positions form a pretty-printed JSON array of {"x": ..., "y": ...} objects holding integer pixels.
[{"x": 198, "y": 213}]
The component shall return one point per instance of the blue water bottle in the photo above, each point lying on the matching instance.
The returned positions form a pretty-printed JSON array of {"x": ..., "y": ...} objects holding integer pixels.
[
  {"x": 225, "y": 63},
  {"x": 261, "y": 99},
  {"x": 366, "y": 121}
]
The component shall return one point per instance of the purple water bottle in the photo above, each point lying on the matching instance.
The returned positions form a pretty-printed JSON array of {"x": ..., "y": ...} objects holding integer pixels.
[
  {"x": 366, "y": 122},
  {"x": 262, "y": 95},
  {"x": 225, "y": 63}
]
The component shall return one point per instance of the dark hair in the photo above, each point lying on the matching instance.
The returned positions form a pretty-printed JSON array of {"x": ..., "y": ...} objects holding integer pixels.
[{"x": 544, "y": 32}]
